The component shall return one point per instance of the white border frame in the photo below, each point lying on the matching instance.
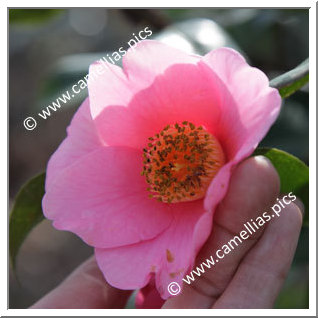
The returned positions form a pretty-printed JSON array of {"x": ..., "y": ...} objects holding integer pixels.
[{"x": 312, "y": 160}]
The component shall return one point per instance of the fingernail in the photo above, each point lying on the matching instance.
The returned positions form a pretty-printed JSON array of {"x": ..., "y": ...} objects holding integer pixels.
[{"x": 263, "y": 160}]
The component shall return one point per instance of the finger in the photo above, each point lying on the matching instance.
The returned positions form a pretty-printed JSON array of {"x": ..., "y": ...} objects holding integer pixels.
[
  {"x": 262, "y": 273},
  {"x": 254, "y": 186},
  {"x": 84, "y": 288}
]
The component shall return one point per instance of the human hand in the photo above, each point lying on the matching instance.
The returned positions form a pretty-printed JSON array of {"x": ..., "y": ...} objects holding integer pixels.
[{"x": 251, "y": 276}]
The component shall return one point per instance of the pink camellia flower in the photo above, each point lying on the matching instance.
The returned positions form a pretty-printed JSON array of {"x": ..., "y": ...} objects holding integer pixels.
[{"x": 149, "y": 155}]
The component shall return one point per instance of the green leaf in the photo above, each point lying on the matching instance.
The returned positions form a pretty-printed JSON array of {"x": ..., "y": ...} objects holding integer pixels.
[
  {"x": 32, "y": 16},
  {"x": 293, "y": 173},
  {"x": 295, "y": 292},
  {"x": 290, "y": 82},
  {"x": 25, "y": 214}
]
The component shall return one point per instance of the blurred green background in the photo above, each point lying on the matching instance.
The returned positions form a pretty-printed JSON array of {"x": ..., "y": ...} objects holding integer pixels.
[{"x": 51, "y": 49}]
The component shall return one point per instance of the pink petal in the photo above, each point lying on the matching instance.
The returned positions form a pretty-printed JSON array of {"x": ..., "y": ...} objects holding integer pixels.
[
  {"x": 151, "y": 59},
  {"x": 169, "y": 256},
  {"x": 108, "y": 84},
  {"x": 183, "y": 92},
  {"x": 81, "y": 139},
  {"x": 244, "y": 124},
  {"x": 218, "y": 187},
  {"x": 257, "y": 105},
  {"x": 103, "y": 199}
]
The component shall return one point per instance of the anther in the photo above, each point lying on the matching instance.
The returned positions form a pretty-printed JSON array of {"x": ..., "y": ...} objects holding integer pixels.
[{"x": 180, "y": 162}]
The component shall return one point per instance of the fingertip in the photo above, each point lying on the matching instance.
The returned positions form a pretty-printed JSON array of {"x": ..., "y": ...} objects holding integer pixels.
[
  {"x": 260, "y": 172},
  {"x": 266, "y": 165},
  {"x": 300, "y": 206},
  {"x": 295, "y": 211}
]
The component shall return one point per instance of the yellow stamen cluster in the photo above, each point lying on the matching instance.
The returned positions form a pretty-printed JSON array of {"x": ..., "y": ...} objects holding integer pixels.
[{"x": 180, "y": 162}]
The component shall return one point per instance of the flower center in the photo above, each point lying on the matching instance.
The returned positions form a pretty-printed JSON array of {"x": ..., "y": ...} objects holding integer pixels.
[{"x": 180, "y": 163}]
